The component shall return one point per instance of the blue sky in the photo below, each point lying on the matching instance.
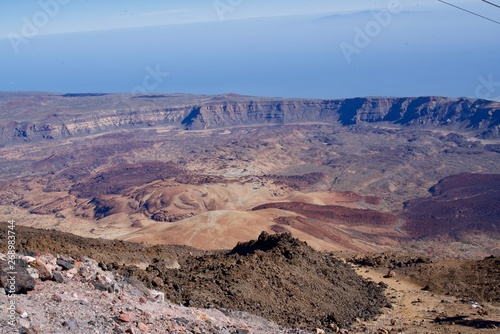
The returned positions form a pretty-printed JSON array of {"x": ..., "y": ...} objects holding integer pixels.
[
  {"x": 294, "y": 48},
  {"x": 90, "y": 15}
]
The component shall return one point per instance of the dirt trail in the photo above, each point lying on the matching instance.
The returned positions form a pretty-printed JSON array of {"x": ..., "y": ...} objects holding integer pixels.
[{"x": 416, "y": 310}]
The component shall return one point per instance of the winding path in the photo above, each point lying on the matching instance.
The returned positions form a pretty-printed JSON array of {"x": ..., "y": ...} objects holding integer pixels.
[{"x": 396, "y": 228}]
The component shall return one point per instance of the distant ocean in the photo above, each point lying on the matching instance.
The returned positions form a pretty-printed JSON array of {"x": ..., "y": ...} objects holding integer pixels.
[{"x": 409, "y": 54}]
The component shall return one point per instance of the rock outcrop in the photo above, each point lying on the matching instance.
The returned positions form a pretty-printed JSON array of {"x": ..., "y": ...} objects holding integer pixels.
[
  {"x": 277, "y": 277},
  {"x": 474, "y": 114}
]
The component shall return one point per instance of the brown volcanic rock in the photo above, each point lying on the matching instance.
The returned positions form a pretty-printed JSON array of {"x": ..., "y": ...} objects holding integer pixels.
[
  {"x": 459, "y": 204},
  {"x": 298, "y": 182},
  {"x": 334, "y": 224},
  {"x": 334, "y": 212},
  {"x": 277, "y": 277},
  {"x": 312, "y": 228},
  {"x": 472, "y": 280},
  {"x": 117, "y": 179},
  {"x": 373, "y": 200},
  {"x": 165, "y": 216},
  {"x": 104, "y": 251},
  {"x": 466, "y": 185},
  {"x": 42, "y": 269}
]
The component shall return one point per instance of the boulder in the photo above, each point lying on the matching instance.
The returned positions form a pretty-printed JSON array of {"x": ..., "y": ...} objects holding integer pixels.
[
  {"x": 43, "y": 271},
  {"x": 22, "y": 283},
  {"x": 58, "y": 276},
  {"x": 125, "y": 317},
  {"x": 64, "y": 264},
  {"x": 390, "y": 274}
]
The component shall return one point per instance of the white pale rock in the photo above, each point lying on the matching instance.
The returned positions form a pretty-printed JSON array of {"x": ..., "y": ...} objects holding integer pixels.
[{"x": 28, "y": 259}]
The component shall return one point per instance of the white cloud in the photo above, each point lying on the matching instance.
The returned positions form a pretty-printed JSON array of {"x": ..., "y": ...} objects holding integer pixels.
[{"x": 153, "y": 13}]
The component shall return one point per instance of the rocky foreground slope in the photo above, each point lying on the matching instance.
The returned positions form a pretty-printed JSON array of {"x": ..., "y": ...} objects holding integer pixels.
[
  {"x": 65, "y": 295},
  {"x": 59, "y": 289},
  {"x": 276, "y": 277},
  {"x": 53, "y": 116}
]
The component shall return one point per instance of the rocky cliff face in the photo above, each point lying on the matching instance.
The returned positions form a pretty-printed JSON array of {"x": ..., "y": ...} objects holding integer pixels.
[
  {"x": 64, "y": 125},
  {"x": 473, "y": 114},
  {"x": 46, "y": 118}
]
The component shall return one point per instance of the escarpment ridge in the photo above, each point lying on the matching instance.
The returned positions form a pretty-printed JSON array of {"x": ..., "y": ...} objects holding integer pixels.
[{"x": 42, "y": 116}]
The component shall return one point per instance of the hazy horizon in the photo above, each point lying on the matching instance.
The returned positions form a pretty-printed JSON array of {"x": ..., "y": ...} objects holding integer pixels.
[{"x": 306, "y": 49}]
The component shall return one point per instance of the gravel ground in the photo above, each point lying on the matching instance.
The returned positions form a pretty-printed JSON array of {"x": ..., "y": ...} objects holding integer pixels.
[{"x": 91, "y": 300}]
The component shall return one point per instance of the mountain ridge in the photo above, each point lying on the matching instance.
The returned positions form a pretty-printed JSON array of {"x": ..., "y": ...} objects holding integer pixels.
[{"x": 48, "y": 117}]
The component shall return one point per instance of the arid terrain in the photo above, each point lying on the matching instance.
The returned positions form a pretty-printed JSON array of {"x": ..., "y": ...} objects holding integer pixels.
[
  {"x": 209, "y": 171},
  {"x": 415, "y": 176}
]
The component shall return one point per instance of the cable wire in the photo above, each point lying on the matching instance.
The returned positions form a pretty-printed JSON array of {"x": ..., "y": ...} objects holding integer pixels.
[
  {"x": 468, "y": 11},
  {"x": 491, "y": 3}
]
